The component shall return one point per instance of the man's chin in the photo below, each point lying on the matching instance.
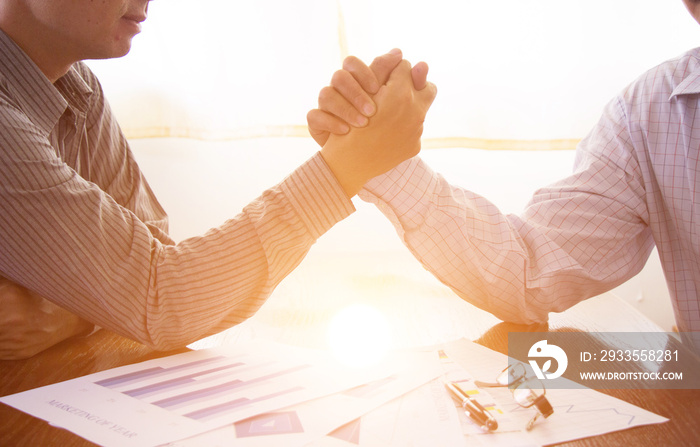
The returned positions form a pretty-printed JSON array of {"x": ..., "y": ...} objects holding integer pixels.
[{"x": 114, "y": 53}]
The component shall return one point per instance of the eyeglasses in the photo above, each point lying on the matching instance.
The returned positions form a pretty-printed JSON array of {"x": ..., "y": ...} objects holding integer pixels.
[{"x": 527, "y": 391}]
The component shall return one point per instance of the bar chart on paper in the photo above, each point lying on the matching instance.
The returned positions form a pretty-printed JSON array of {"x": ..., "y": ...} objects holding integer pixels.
[
  {"x": 172, "y": 398},
  {"x": 207, "y": 389}
]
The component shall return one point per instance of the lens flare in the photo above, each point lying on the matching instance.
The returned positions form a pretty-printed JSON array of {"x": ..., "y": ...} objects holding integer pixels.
[{"x": 359, "y": 336}]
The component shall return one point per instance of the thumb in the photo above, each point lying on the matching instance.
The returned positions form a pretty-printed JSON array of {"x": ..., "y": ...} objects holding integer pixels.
[
  {"x": 419, "y": 73},
  {"x": 424, "y": 91},
  {"x": 383, "y": 65}
]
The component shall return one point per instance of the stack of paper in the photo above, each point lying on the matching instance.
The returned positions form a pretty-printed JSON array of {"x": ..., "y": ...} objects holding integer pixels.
[{"x": 261, "y": 394}]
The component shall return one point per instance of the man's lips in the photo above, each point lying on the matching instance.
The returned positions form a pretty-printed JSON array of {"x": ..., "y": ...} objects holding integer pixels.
[{"x": 138, "y": 18}]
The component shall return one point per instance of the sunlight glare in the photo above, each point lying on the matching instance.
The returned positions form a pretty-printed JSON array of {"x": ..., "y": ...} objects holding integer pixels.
[{"x": 359, "y": 336}]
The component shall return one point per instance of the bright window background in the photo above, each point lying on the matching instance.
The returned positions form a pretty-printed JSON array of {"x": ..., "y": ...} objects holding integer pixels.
[
  {"x": 214, "y": 96},
  {"x": 507, "y": 69}
]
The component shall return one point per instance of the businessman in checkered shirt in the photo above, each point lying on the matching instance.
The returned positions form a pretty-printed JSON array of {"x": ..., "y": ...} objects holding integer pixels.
[{"x": 635, "y": 185}]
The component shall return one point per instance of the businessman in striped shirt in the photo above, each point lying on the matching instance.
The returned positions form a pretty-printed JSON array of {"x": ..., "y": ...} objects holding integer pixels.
[{"x": 83, "y": 240}]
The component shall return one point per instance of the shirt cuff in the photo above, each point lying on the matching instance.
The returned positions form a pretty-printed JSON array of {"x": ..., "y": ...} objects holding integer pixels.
[{"x": 316, "y": 195}]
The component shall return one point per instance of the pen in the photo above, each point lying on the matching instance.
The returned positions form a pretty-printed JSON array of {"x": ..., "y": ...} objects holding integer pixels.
[{"x": 472, "y": 408}]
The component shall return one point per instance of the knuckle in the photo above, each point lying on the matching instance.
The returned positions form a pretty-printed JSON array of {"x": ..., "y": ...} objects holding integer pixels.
[
  {"x": 381, "y": 61},
  {"x": 404, "y": 64},
  {"x": 357, "y": 97},
  {"x": 311, "y": 116},
  {"x": 325, "y": 94},
  {"x": 339, "y": 77},
  {"x": 347, "y": 111},
  {"x": 350, "y": 62}
]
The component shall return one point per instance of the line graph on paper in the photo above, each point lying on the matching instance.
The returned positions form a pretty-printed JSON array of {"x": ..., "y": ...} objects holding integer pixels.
[{"x": 578, "y": 412}]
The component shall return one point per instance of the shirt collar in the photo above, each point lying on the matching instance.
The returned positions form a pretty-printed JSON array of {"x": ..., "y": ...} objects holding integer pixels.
[
  {"x": 33, "y": 93},
  {"x": 690, "y": 85}
]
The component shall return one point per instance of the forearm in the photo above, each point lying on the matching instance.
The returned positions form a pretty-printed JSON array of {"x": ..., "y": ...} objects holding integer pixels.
[
  {"x": 121, "y": 277},
  {"x": 459, "y": 237},
  {"x": 235, "y": 267},
  {"x": 516, "y": 267}
]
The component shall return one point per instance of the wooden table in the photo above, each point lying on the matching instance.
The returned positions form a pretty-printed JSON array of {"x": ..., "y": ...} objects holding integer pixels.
[{"x": 432, "y": 314}]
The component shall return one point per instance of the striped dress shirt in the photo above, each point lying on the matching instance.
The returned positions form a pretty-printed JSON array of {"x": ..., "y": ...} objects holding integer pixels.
[
  {"x": 80, "y": 226},
  {"x": 636, "y": 184}
]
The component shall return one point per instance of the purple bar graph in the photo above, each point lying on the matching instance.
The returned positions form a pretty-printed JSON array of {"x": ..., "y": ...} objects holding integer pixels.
[
  {"x": 151, "y": 373},
  {"x": 199, "y": 395},
  {"x": 208, "y": 388},
  {"x": 215, "y": 411},
  {"x": 219, "y": 390},
  {"x": 174, "y": 383}
]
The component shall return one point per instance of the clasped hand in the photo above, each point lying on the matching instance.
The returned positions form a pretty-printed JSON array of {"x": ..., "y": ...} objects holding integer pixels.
[{"x": 370, "y": 119}]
